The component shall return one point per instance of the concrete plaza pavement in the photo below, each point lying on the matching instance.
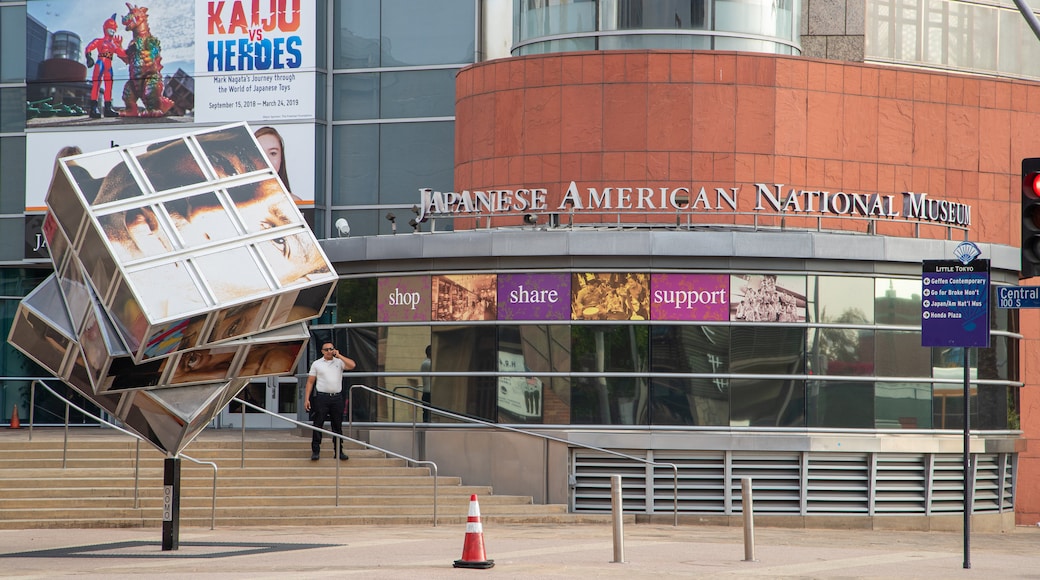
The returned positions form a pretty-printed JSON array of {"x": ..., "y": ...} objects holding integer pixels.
[{"x": 519, "y": 552}]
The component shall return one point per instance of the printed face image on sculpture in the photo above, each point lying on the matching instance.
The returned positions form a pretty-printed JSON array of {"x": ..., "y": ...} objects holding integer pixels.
[
  {"x": 237, "y": 321},
  {"x": 136, "y": 233},
  {"x": 267, "y": 359},
  {"x": 204, "y": 364}
]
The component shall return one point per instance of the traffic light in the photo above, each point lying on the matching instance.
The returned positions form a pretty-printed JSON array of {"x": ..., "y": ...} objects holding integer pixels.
[{"x": 1030, "y": 217}]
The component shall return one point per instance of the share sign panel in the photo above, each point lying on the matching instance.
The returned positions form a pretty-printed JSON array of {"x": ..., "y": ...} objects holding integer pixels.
[{"x": 955, "y": 303}]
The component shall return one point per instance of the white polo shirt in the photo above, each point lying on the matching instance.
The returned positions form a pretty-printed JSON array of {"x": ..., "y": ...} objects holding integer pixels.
[{"x": 329, "y": 375}]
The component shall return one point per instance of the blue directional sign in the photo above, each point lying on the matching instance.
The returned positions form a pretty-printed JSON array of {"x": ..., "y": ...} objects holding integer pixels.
[
  {"x": 955, "y": 303},
  {"x": 1018, "y": 296}
]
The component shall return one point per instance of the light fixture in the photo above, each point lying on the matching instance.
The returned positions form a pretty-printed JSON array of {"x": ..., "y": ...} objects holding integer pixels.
[
  {"x": 414, "y": 224},
  {"x": 530, "y": 219},
  {"x": 343, "y": 228},
  {"x": 393, "y": 222}
]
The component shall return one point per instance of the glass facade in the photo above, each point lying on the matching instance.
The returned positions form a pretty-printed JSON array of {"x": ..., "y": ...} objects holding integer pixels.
[
  {"x": 853, "y": 363},
  {"x": 987, "y": 38},
  {"x": 547, "y": 26}
]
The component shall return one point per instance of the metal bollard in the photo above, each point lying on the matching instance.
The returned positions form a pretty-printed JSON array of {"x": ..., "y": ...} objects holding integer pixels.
[
  {"x": 617, "y": 511},
  {"x": 748, "y": 508}
]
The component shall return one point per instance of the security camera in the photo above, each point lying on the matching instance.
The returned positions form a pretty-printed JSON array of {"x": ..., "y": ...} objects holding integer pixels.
[
  {"x": 343, "y": 228},
  {"x": 530, "y": 219}
]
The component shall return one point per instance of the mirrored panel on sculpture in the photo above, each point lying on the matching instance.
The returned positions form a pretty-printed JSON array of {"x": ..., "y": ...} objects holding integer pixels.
[
  {"x": 169, "y": 165},
  {"x": 232, "y": 151},
  {"x": 233, "y": 275},
  {"x": 200, "y": 219}
]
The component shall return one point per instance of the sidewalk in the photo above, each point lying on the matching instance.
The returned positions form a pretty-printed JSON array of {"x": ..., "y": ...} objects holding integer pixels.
[{"x": 520, "y": 552}]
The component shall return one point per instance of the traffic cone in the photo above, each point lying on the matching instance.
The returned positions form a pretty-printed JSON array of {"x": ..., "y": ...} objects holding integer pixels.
[
  {"x": 473, "y": 550},
  {"x": 16, "y": 423}
]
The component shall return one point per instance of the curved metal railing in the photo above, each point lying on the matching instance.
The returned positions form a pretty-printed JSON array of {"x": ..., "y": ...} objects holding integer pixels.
[
  {"x": 432, "y": 465},
  {"x": 137, "y": 438},
  {"x": 466, "y": 419}
]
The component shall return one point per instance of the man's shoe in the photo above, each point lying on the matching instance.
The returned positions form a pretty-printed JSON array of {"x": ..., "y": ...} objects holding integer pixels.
[
  {"x": 343, "y": 456},
  {"x": 315, "y": 456}
]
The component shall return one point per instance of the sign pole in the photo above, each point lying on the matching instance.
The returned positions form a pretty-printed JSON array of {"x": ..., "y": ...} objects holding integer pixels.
[{"x": 968, "y": 480}]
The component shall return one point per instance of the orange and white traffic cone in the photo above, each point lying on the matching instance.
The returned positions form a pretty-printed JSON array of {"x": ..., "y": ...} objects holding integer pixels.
[
  {"x": 473, "y": 550},
  {"x": 16, "y": 423}
]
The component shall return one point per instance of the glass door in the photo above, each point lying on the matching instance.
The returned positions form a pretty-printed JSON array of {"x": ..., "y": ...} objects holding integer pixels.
[{"x": 276, "y": 394}]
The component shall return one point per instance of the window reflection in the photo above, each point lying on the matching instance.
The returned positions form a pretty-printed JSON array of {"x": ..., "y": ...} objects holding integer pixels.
[
  {"x": 897, "y": 301},
  {"x": 841, "y": 351},
  {"x": 903, "y": 406},
  {"x": 534, "y": 398},
  {"x": 609, "y": 400},
  {"x": 689, "y": 401},
  {"x": 840, "y": 404},
  {"x": 839, "y": 299}
]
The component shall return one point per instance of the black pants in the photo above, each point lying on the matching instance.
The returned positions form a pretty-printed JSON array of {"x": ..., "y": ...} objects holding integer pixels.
[{"x": 326, "y": 406}]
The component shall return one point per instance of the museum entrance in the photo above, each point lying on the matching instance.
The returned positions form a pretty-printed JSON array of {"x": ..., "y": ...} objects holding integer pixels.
[{"x": 276, "y": 394}]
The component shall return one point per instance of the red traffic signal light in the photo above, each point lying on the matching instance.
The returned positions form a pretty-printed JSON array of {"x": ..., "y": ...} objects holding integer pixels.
[{"x": 1030, "y": 246}]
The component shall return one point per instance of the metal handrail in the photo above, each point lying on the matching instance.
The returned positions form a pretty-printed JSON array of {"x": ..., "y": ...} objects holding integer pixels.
[
  {"x": 465, "y": 419},
  {"x": 137, "y": 458},
  {"x": 343, "y": 438}
]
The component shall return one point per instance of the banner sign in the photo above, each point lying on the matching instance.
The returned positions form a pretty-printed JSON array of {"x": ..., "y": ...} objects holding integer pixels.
[
  {"x": 534, "y": 297},
  {"x": 689, "y": 297},
  {"x": 404, "y": 299}
]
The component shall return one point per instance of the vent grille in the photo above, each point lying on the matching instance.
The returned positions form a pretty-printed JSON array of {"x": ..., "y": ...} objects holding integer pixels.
[{"x": 804, "y": 483}]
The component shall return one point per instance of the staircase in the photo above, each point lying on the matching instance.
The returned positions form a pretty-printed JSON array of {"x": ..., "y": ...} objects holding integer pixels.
[{"x": 278, "y": 485}]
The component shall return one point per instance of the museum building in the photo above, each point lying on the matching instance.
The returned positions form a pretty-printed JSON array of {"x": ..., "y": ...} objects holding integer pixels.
[{"x": 685, "y": 240}]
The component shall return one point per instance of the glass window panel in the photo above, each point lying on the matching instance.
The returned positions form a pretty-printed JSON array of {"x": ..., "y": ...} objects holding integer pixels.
[
  {"x": 752, "y": 16},
  {"x": 900, "y": 354},
  {"x": 321, "y": 34},
  {"x": 12, "y": 110},
  {"x": 355, "y": 157},
  {"x": 357, "y": 34},
  {"x": 549, "y": 17},
  {"x": 947, "y": 406},
  {"x": 356, "y": 96},
  {"x": 835, "y": 404},
  {"x": 841, "y": 351},
  {"x": 994, "y": 361},
  {"x": 13, "y": 43},
  {"x": 428, "y": 93},
  {"x": 402, "y": 349},
  {"x": 356, "y": 300},
  {"x": 320, "y": 103},
  {"x": 983, "y": 37},
  {"x": 602, "y": 400},
  {"x": 417, "y": 33},
  {"x": 897, "y": 301},
  {"x": 413, "y": 156},
  {"x": 767, "y": 350},
  {"x": 637, "y": 14},
  {"x": 767, "y": 403},
  {"x": 655, "y": 41},
  {"x": 689, "y": 401},
  {"x": 934, "y": 31},
  {"x": 12, "y": 167},
  {"x": 841, "y": 300},
  {"x": 468, "y": 349},
  {"x": 903, "y": 405},
  {"x": 564, "y": 45},
  {"x": 994, "y": 408},
  {"x": 533, "y": 399}
]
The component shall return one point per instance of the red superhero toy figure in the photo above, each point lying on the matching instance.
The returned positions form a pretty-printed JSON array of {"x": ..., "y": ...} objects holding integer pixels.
[{"x": 107, "y": 46}]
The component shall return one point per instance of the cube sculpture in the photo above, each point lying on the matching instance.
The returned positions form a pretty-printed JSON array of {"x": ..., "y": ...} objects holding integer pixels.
[{"x": 182, "y": 270}]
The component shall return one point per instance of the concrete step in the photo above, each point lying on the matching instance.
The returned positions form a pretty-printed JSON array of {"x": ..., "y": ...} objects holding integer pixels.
[{"x": 278, "y": 485}]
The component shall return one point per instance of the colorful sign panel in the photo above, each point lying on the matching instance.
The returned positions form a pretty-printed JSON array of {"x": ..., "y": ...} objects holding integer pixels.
[
  {"x": 689, "y": 297},
  {"x": 534, "y": 296},
  {"x": 610, "y": 296},
  {"x": 955, "y": 303},
  {"x": 404, "y": 299},
  {"x": 464, "y": 297},
  {"x": 767, "y": 298}
]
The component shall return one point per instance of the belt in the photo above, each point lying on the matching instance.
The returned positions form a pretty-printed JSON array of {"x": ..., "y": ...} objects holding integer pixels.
[{"x": 330, "y": 394}]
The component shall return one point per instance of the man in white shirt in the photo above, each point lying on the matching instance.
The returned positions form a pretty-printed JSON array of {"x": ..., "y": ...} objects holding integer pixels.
[{"x": 325, "y": 384}]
